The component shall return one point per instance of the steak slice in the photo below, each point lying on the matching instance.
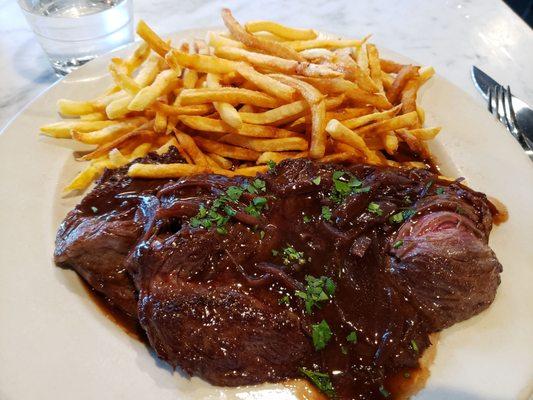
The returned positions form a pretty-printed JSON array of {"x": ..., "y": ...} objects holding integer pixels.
[
  {"x": 226, "y": 281},
  {"x": 97, "y": 236}
]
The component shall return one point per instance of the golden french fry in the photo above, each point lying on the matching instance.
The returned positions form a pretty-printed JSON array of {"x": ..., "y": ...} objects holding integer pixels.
[
  {"x": 300, "y": 45},
  {"x": 352, "y": 71},
  {"x": 226, "y": 150},
  {"x": 405, "y": 74},
  {"x": 425, "y": 74},
  {"x": 159, "y": 171},
  {"x": 217, "y": 126},
  {"x": 103, "y": 149},
  {"x": 341, "y": 133},
  {"x": 348, "y": 113},
  {"x": 172, "y": 142},
  {"x": 266, "y": 83},
  {"x": 361, "y": 58},
  {"x": 421, "y": 114},
  {"x": 119, "y": 72},
  {"x": 390, "y": 142},
  {"x": 85, "y": 177},
  {"x": 280, "y": 30},
  {"x": 140, "y": 151},
  {"x": 117, "y": 158},
  {"x": 95, "y": 116},
  {"x": 408, "y": 95},
  {"x": 228, "y": 95},
  {"x": 413, "y": 142},
  {"x": 148, "y": 72},
  {"x": 198, "y": 109},
  {"x": 416, "y": 164},
  {"x": 316, "y": 103},
  {"x": 340, "y": 157},
  {"x": 118, "y": 108},
  {"x": 108, "y": 133},
  {"x": 282, "y": 113},
  {"x": 425, "y": 133},
  {"x": 374, "y": 117},
  {"x": 269, "y": 62},
  {"x": 72, "y": 108},
  {"x": 374, "y": 65},
  {"x": 281, "y": 144},
  {"x": 149, "y": 94},
  {"x": 190, "y": 147},
  {"x": 320, "y": 55},
  {"x": 216, "y": 40},
  {"x": 401, "y": 121},
  {"x": 279, "y": 156},
  {"x": 160, "y": 122},
  {"x": 139, "y": 56},
  {"x": 154, "y": 41},
  {"x": 227, "y": 112},
  {"x": 245, "y": 171},
  {"x": 266, "y": 46},
  {"x": 63, "y": 129},
  {"x": 387, "y": 80},
  {"x": 200, "y": 63},
  {"x": 221, "y": 161},
  {"x": 389, "y": 66}
]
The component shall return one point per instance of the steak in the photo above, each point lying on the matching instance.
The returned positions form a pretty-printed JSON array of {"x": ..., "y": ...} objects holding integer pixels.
[{"x": 308, "y": 269}]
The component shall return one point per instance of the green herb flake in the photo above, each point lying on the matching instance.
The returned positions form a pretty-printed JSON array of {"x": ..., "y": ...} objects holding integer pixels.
[
  {"x": 439, "y": 191},
  {"x": 321, "y": 334},
  {"x": 384, "y": 392},
  {"x": 261, "y": 235},
  {"x": 326, "y": 213},
  {"x": 375, "y": 208},
  {"x": 222, "y": 230},
  {"x": 94, "y": 209},
  {"x": 317, "y": 290},
  {"x": 352, "y": 337},
  {"x": 275, "y": 253},
  {"x": 408, "y": 214},
  {"x": 271, "y": 166},
  {"x": 306, "y": 219},
  {"x": 344, "y": 350},
  {"x": 414, "y": 346},
  {"x": 397, "y": 244},
  {"x": 292, "y": 256},
  {"x": 317, "y": 180},
  {"x": 234, "y": 193},
  {"x": 344, "y": 184},
  {"x": 396, "y": 218},
  {"x": 321, "y": 380},
  {"x": 284, "y": 300},
  {"x": 259, "y": 184}
]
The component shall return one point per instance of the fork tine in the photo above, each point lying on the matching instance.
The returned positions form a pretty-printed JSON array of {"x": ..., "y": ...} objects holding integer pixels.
[
  {"x": 510, "y": 115},
  {"x": 500, "y": 108},
  {"x": 491, "y": 97}
]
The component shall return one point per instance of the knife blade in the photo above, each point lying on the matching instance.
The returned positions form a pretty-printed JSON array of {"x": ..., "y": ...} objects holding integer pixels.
[{"x": 523, "y": 112}]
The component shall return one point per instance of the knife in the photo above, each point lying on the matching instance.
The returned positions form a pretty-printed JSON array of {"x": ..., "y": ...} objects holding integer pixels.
[{"x": 523, "y": 112}]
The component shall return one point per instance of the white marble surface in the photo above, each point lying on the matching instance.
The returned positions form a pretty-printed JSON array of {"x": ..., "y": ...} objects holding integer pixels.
[{"x": 451, "y": 35}]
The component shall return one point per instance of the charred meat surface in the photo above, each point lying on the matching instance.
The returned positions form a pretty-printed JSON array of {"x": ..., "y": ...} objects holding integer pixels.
[{"x": 336, "y": 273}]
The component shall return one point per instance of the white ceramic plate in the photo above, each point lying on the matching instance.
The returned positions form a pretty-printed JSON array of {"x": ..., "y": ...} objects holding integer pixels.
[{"x": 56, "y": 344}]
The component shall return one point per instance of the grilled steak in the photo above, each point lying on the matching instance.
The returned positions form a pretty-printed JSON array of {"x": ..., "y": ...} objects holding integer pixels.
[{"x": 311, "y": 268}]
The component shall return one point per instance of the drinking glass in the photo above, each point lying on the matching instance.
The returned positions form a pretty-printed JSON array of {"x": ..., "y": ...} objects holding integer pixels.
[{"x": 72, "y": 32}]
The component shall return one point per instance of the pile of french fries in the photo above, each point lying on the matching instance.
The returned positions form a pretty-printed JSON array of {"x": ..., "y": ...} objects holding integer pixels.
[{"x": 237, "y": 101}]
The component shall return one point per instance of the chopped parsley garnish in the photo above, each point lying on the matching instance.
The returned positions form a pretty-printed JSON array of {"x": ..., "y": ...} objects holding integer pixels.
[
  {"x": 414, "y": 345},
  {"x": 317, "y": 180},
  {"x": 326, "y": 213},
  {"x": 428, "y": 185},
  {"x": 384, "y": 392},
  {"x": 345, "y": 184},
  {"x": 307, "y": 218},
  {"x": 396, "y": 218},
  {"x": 261, "y": 234},
  {"x": 234, "y": 193},
  {"x": 291, "y": 256},
  {"x": 320, "y": 380},
  {"x": 271, "y": 165},
  {"x": 397, "y": 244},
  {"x": 284, "y": 300},
  {"x": 209, "y": 218},
  {"x": 375, "y": 208},
  {"x": 256, "y": 206},
  {"x": 439, "y": 191},
  {"x": 352, "y": 337},
  {"x": 275, "y": 253},
  {"x": 321, "y": 334},
  {"x": 344, "y": 350},
  {"x": 317, "y": 290},
  {"x": 258, "y": 185},
  {"x": 94, "y": 209},
  {"x": 408, "y": 214}
]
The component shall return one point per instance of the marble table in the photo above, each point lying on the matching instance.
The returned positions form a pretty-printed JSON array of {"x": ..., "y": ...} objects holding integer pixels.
[{"x": 451, "y": 35}]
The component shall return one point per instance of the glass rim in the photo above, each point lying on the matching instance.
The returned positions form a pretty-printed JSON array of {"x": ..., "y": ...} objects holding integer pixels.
[{"x": 23, "y": 7}]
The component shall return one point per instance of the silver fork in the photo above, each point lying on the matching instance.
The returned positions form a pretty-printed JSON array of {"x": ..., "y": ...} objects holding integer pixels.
[{"x": 501, "y": 106}]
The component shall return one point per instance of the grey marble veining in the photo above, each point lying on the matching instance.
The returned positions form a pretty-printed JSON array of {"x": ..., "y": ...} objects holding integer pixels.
[{"x": 451, "y": 35}]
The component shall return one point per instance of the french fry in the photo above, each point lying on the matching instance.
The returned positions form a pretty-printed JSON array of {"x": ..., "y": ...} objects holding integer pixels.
[
  {"x": 341, "y": 133},
  {"x": 63, "y": 129},
  {"x": 117, "y": 158},
  {"x": 374, "y": 117},
  {"x": 227, "y": 112},
  {"x": 266, "y": 46},
  {"x": 154, "y": 41},
  {"x": 425, "y": 133},
  {"x": 139, "y": 56},
  {"x": 216, "y": 40},
  {"x": 228, "y": 95},
  {"x": 148, "y": 72},
  {"x": 72, "y": 108},
  {"x": 340, "y": 157},
  {"x": 390, "y": 142},
  {"x": 425, "y": 74},
  {"x": 266, "y": 83},
  {"x": 261, "y": 145},
  {"x": 374, "y": 66},
  {"x": 389, "y": 66},
  {"x": 421, "y": 114},
  {"x": 300, "y": 45},
  {"x": 405, "y": 74},
  {"x": 119, "y": 72},
  {"x": 118, "y": 108},
  {"x": 408, "y": 95},
  {"x": 200, "y": 63},
  {"x": 401, "y": 121},
  {"x": 353, "y": 72},
  {"x": 280, "y": 30},
  {"x": 279, "y": 156},
  {"x": 281, "y": 113},
  {"x": 85, "y": 177},
  {"x": 103, "y": 149},
  {"x": 215, "y": 125},
  {"x": 190, "y": 147},
  {"x": 348, "y": 113},
  {"x": 160, "y": 122},
  {"x": 172, "y": 142},
  {"x": 413, "y": 142},
  {"x": 316, "y": 103},
  {"x": 226, "y": 150},
  {"x": 149, "y": 94},
  {"x": 108, "y": 133},
  {"x": 269, "y": 62},
  {"x": 361, "y": 58},
  {"x": 140, "y": 151},
  {"x": 246, "y": 171},
  {"x": 159, "y": 171},
  {"x": 95, "y": 116},
  {"x": 321, "y": 55},
  {"x": 197, "y": 109},
  {"x": 221, "y": 161}
]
